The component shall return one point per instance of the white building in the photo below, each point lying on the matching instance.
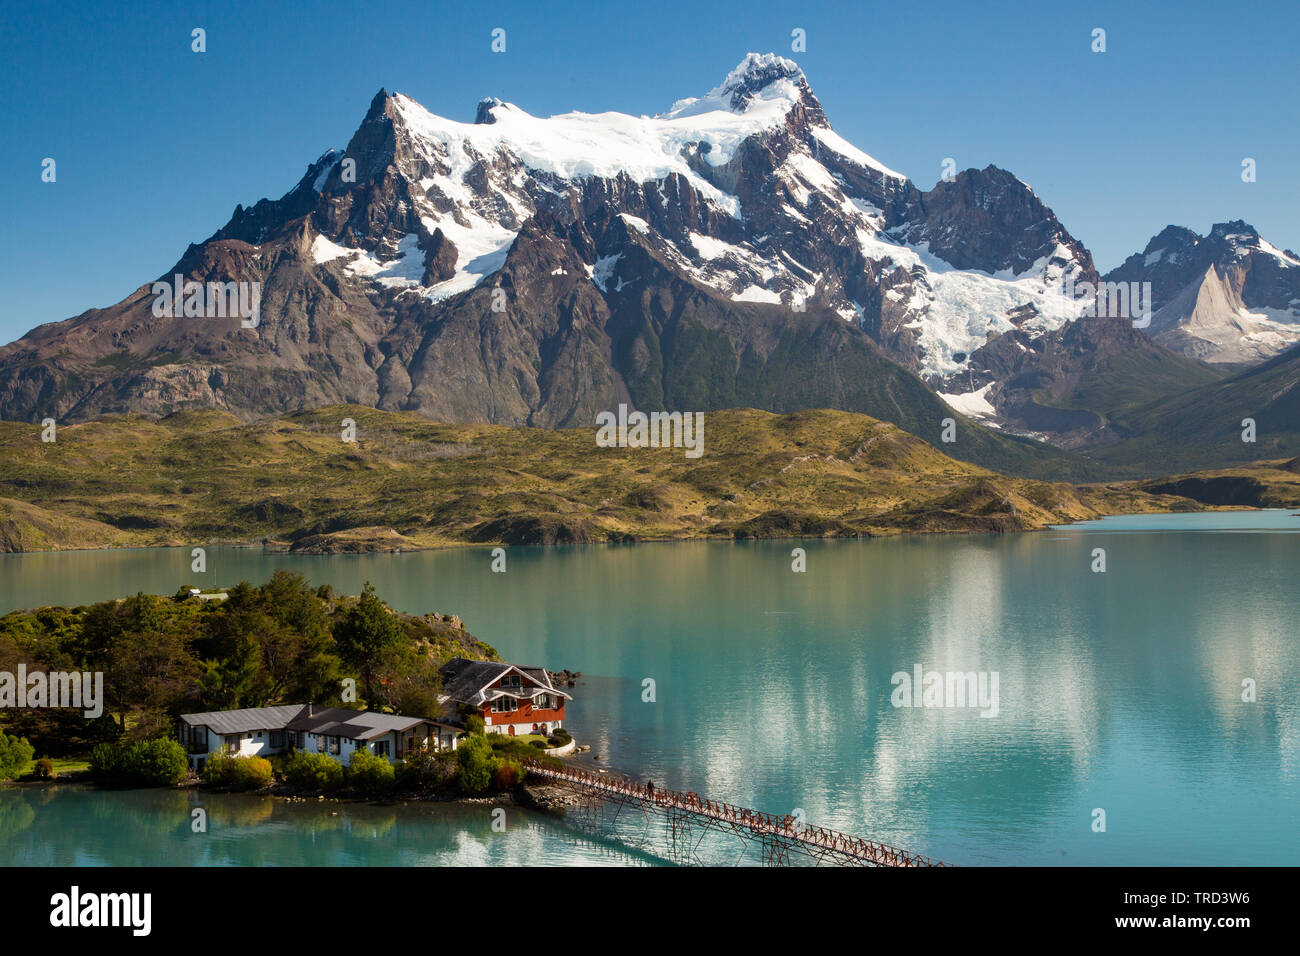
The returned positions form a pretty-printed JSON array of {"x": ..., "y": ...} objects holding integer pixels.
[{"x": 264, "y": 731}]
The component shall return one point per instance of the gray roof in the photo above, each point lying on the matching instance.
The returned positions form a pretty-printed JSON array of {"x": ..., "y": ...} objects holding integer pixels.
[
  {"x": 464, "y": 680},
  {"x": 354, "y": 724},
  {"x": 467, "y": 681},
  {"x": 331, "y": 721},
  {"x": 246, "y": 720}
]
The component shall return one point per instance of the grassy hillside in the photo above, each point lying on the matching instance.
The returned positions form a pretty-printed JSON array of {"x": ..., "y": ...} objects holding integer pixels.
[
  {"x": 1264, "y": 484},
  {"x": 28, "y": 527},
  {"x": 406, "y": 483},
  {"x": 1201, "y": 428},
  {"x": 1123, "y": 382}
]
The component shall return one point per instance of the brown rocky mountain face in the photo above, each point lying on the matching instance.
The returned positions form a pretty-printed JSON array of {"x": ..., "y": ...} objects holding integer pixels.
[
  {"x": 1075, "y": 384},
  {"x": 967, "y": 223},
  {"x": 733, "y": 251}
]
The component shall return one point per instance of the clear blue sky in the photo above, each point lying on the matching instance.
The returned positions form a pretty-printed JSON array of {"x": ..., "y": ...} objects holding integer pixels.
[{"x": 155, "y": 144}]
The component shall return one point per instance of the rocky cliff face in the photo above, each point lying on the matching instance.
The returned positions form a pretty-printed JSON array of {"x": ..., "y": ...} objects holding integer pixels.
[
  {"x": 1228, "y": 298},
  {"x": 731, "y": 251}
]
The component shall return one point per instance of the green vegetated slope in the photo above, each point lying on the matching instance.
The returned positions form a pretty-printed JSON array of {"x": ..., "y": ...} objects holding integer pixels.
[
  {"x": 1122, "y": 382},
  {"x": 1202, "y": 428},
  {"x": 407, "y": 483}
]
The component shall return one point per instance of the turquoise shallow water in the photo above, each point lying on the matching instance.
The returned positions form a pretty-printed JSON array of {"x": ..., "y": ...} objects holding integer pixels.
[{"x": 1120, "y": 691}]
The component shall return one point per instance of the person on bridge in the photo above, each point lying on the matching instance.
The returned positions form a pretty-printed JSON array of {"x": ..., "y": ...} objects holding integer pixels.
[{"x": 650, "y": 788}]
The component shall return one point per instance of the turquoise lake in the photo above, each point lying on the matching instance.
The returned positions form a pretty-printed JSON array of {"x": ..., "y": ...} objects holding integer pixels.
[{"x": 1120, "y": 691}]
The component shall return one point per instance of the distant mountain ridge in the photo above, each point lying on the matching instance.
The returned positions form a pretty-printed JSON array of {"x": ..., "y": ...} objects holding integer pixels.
[
  {"x": 732, "y": 251},
  {"x": 1229, "y": 297}
]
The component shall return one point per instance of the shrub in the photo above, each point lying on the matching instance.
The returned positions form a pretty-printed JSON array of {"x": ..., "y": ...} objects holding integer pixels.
[
  {"x": 474, "y": 724},
  {"x": 540, "y": 744},
  {"x": 106, "y": 761},
  {"x": 155, "y": 763},
  {"x": 507, "y": 747},
  {"x": 219, "y": 770},
  {"x": 312, "y": 771},
  {"x": 560, "y": 734},
  {"x": 146, "y": 763},
  {"x": 240, "y": 773},
  {"x": 45, "y": 769},
  {"x": 426, "y": 770},
  {"x": 507, "y": 774},
  {"x": 15, "y": 754},
  {"x": 256, "y": 773},
  {"x": 477, "y": 763},
  {"x": 370, "y": 773}
]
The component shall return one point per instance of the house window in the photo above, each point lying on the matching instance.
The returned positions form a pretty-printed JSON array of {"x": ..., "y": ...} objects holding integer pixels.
[
  {"x": 543, "y": 702},
  {"x": 381, "y": 747},
  {"x": 503, "y": 705},
  {"x": 334, "y": 745},
  {"x": 277, "y": 739}
]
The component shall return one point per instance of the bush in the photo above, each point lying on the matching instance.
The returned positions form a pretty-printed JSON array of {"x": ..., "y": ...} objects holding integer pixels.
[
  {"x": 424, "y": 770},
  {"x": 474, "y": 724},
  {"x": 155, "y": 763},
  {"x": 370, "y": 773},
  {"x": 506, "y": 747},
  {"x": 507, "y": 774},
  {"x": 240, "y": 773},
  {"x": 106, "y": 761},
  {"x": 477, "y": 763},
  {"x": 15, "y": 754},
  {"x": 540, "y": 744},
  {"x": 560, "y": 734},
  {"x": 45, "y": 769},
  {"x": 314, "y": 771}
]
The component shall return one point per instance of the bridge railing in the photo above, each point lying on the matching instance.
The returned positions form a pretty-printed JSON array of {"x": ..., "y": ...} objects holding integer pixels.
[{"x": 762, "y": 823}]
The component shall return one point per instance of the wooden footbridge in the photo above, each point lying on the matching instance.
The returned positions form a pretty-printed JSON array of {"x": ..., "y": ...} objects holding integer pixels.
[{"x": 603, "y": 797}]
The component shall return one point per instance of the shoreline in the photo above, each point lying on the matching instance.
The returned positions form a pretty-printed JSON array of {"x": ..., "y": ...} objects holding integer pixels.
[
  {"x": 523, "y": 795},
  {"x": 630, "y": 540}
]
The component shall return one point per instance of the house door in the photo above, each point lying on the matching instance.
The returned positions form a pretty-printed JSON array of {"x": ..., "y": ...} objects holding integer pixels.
[{"x": 512, "y": 730}]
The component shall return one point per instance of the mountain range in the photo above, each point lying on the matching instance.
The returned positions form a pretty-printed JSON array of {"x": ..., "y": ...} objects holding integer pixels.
[{"x": 733, "y": 251}]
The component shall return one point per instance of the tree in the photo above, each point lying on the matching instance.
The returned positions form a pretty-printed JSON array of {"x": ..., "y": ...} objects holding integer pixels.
[
  {"x": 233, "y": 680},
  {"x": 406, "y": 680},
  {"x": 148, "y": 666},
  {"x": 363, "y": 634},
  {"x": 15, "y": 754}
]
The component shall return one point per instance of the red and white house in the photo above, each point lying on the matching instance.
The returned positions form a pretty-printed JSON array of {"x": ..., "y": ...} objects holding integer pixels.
[{"x": 511, "y": 699}]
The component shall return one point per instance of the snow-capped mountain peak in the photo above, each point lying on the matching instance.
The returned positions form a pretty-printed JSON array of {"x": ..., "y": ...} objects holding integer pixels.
[
  {"x": 1228, "y": 297},
  {"x": 746, "y": 191},
  {"x": 529, "y": 269},
  {"x": 761, "y": 81}
]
